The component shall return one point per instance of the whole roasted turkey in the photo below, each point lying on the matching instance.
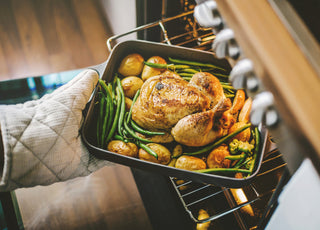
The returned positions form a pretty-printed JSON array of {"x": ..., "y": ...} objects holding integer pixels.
[{"x": 190, "y": 111}]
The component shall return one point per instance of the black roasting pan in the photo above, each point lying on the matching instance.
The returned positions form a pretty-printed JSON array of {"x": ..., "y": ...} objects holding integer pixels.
[{"x": 148, "y": 49}]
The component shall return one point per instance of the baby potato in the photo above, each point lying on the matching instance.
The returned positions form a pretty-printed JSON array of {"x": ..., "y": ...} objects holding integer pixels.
[
  {"x": 120, "y": 147},
  {"x": 132, "y": 64},
  {"x": 216, "y": 159},
  {"x": 148, "y": 71},
  {"x": 164, "y": 154},
  {"x": 190, "y": 163},
  {"x": 131, "y": 85},
  {"x": 128, "y": 103},
  {"x": 203, "y": 214}
]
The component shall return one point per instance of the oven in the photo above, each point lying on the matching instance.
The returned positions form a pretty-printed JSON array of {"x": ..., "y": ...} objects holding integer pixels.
[{"x": 273, "y": 48}]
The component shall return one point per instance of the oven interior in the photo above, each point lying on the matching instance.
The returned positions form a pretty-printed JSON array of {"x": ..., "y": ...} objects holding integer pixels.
[{"x": 249, "y": 207}]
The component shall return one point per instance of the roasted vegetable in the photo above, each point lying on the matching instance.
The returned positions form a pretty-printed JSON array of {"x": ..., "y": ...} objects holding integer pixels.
[
  {"x": 190, "y": 163},
  {"x": 202, "y": 215},
  {"x": 120, "y": 147},
  {"x": 128, "y": 103},
  {"x": 236, "y": 146},
  {"x": 148, "y": 71},
  {"x": 216, "y": 159},
  {"x": 244, "y": 114},
  {"x": 243, "y": 135},
  {"x": 233, "y": 151},
  {"x": 221, "y": 140},
  {"x": 131, "y": 85},
  {"x": 131, "y": 65},
  {"x": 176, "y": 152},
  {"x": 163, "y": 153}
]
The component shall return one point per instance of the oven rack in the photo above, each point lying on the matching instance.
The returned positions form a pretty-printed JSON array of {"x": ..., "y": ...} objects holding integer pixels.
[
  {"x": 193, "y": 196},
  {"x": 197, "y": 37}
]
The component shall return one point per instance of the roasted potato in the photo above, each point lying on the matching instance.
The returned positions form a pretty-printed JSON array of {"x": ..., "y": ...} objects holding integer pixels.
[
  {"x": 148, "y": 71},
  {"x": 128, "y": 103},
  {"x": 216, "y": 159},
  {"x": 190, "y": 163},
  {"x": 131, "y": 85},
  {"x": 120, "y": 147},
  {"x": 131, "y": 65},
  {"x": 177, "y": 151},
  {"x": 164, "y": 155},
  {"x": 244, "y": 135},
  {"x": 203, "y": 214}
]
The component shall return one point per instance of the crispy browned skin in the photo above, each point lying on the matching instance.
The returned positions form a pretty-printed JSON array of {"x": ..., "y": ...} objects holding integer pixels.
[
  {"x": 165, "y": 99},
  {"x": 198, "y": 129},
  {"x": 229, "y": 117},
  {"x": 189, "y": 110},
  {"x": 209, "y": 85}
]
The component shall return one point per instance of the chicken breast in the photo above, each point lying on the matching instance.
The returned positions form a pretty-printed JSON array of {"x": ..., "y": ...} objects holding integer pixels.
[{"x": 165, "y": 99}]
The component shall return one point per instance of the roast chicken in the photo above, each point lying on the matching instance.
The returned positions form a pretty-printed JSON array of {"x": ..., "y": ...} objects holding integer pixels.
[{"x": 190, "y": 111}]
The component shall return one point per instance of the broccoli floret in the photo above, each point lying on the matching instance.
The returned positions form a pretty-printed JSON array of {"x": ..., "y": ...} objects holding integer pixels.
[{"x": 236, "y": 146}]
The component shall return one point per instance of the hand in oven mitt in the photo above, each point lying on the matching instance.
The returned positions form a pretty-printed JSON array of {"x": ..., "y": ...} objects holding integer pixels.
[{"x": 41, "y": 139}]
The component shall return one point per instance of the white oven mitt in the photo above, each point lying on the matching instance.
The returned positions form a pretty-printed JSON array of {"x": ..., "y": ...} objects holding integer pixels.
[{"x": 41, "y": 139}]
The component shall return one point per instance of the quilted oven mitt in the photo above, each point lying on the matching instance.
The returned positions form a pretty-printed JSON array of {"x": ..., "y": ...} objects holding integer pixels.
[{"x": 41, "y": 139}]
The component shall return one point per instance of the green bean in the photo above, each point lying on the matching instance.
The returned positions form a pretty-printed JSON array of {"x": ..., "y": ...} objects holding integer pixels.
[
  {"x": 189, "y": 71},
  {"x": 113, "y": 85},
  {"x": 116, "y": 118},
  {"x": 133, "y": 134},
  {"x": 256, "y": 148},
  {"x": 228, "y": 87},
  {"x": 143, "y": 131},
  {"x": 220, "y": 75},
  {"x": 186, "y": 78},
  {"x": 244, "y": 163},
  {"x": 220, "y": 141},
  {"x": 166, "y": 66},
  {"x": 213, "y": 170},
  {"x": 239, "y": 163},
  {"x": 118, "y": 137},
  {"x": 133, "y": 101},
  {"x": 188, "y": 75},
  {"x": 122, "y": 107},
  {"x": 111, "y": 109},
  {"x": 229, "y": 95},
  {"x": 105, "y": 120},
  {"x": 236, "y": 157},
  {"x": 193, "y": 63},
  {"x": 156, "y": 65},
  {"x": 100, "y": 116},
  {"x": 105, "y": 87},
  {"x": 148, "y": 150}
]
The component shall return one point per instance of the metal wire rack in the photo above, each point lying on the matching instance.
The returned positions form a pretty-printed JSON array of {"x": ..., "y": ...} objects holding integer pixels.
[
  {"x": 193, "y": 35},
  {"x": 251, "y": 205}
]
